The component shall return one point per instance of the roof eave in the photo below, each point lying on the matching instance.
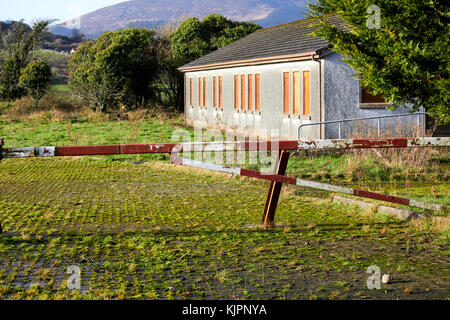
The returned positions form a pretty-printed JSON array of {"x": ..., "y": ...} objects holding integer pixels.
[{"x": 253, "y": 62}]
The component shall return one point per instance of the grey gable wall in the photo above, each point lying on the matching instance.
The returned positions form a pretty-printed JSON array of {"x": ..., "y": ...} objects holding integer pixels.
[{"x": 342, "y": 97}]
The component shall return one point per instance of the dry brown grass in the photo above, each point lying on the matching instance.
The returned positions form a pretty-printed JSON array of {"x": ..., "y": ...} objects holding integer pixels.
[
  {"x": 61, "y": 106},
  {"x": 435, "y": 223},
  {"x": 53, "y": 101},
  {"x": 441, "y": 223},
  {"x": 415, "y": 161}
]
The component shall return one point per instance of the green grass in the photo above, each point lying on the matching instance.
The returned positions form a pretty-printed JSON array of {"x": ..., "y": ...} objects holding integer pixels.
[
  {"x": 162, "y": 232},
  {"x": 44, "y": 132},
  {"x": 61, "y": 87},
  {"x": 156, "y": 231},
  {"x": 346, "y": 168},
  {"x": 431, "y": 185}
]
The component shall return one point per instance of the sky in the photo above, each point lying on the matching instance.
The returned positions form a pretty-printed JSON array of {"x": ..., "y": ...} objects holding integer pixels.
[{"x": 64, "y": 10}]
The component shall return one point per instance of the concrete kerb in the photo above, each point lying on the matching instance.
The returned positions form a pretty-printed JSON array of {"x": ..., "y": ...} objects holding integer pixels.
[{"x": 394, "y": 212}]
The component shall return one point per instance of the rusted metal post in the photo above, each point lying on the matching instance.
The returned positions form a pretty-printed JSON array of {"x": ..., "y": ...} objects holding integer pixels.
[{"x": 275, "y": 189}]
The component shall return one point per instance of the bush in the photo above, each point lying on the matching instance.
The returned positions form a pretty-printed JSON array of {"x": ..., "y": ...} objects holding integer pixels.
[
  {"x": 35, "y": 78},
  {"x": 118, "y": 68},
  {"x": 52, "y": 101}
]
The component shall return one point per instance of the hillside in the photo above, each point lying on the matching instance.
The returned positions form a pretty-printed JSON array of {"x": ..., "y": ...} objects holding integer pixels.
[
  {"x": 53, "y": 49},
  {"x": 154, "y": 13},
  {"x": 59, "y": 64},
  {"x": 49, "y": 41}
]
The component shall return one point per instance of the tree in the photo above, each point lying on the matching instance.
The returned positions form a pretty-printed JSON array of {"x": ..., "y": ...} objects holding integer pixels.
[
  {"x": 19, "y": 44},
  {"x": 194, "y": 38},
  {"x": 92, "y": 80},
  {"x": 189, "y": 41},
  {"x": 35, "y": 79},
  {"x": 9, "y": 31},
  {"x": 405, "y": 58},
  {"x": 118, "y": 67},
  {"x": 169, "y": 82}
]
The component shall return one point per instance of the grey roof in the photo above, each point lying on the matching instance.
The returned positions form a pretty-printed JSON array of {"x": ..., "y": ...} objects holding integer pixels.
[{"x": 286, "y": 39}]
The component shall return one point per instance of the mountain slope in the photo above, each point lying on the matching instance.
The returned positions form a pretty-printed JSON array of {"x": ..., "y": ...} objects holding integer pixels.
[{"x": 152, "y": 13}]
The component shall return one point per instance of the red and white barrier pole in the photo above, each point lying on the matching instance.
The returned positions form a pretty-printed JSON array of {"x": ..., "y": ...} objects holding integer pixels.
[
  {"x": 276, "y": 179},
  {"x": 308, "y": 184}
]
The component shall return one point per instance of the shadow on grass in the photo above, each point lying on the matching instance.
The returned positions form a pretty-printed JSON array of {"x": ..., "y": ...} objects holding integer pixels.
[{"x": 18, "y": 238}]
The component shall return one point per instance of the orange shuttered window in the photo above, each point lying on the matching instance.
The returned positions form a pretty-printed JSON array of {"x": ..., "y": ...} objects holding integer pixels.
[
  {"x": 258, "y": 92},
  {"x": 296, "y": 95},
  {"x": 204, "y": 92},
  {"x": 200, "y": 94},
  {"x": 306, "y": 93},
  {"x": 243, "y": 92},
  {"x": 236, "y": 92},
  {"x": 286, "y": 92},
  {"x": 250, "y": 92},
  {"x": 220, "y": 93},
  {"x": 215, "y": 92},
  {"x": 191, "y": 92}
]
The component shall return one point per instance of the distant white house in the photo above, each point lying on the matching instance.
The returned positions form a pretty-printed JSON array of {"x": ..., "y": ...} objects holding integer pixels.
[{"x": 275, "y": 80}]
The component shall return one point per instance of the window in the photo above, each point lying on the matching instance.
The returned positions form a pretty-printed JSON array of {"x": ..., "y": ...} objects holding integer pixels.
[
  {"x": 258, "y": 92},
  {"x": 306, "y": 93},
  {"x": 204, "y": 92},
  {"x": 296, "y": 95},
  {"x": 215, "y": 92},
  {"x": 250, "y": 92},
  {"x": 220, "y": 92},
  {"x": 286, "y": 90},
  {"x": 297, "y": 101},
  {"x": 191, "y": 92},
  {"x": 243, "y": 92},
  {"x": 250, "y": 95},
  {"x": 236, "y": 92},
  {"x": 200, "y": 94},
  {"x": 367, "y": 97}
]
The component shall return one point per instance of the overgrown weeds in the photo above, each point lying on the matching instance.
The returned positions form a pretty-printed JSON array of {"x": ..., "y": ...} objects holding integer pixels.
[
  {"x": 412, "y": 163},
  {"x": 60, "y": 105}
]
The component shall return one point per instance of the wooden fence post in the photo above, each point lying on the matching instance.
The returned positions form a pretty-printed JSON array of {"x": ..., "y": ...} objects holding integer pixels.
[{"x": 275, "y": 189}]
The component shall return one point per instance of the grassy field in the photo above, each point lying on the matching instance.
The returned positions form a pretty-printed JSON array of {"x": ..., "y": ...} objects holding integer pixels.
[
  {"x": 155, "y": 231},
  {"x": 87, "y": 131},
  {"x": 140, "y": 228},
  {"x": 430, "y": 182}
]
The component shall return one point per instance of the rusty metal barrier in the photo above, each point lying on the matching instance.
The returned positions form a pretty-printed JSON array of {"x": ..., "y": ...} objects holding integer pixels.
[{"x": 277, "y": 179}]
